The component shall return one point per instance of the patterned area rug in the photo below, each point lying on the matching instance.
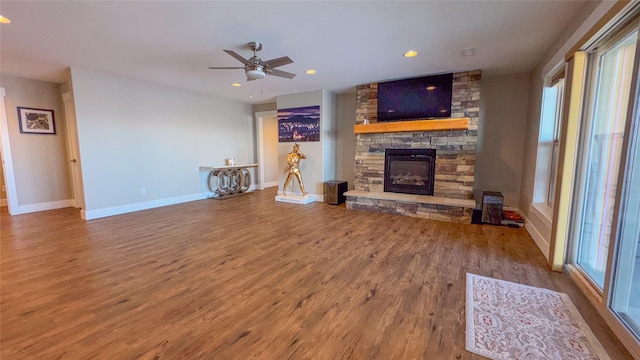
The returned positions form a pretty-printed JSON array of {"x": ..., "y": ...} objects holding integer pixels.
[{"x": 506, "y": 320}]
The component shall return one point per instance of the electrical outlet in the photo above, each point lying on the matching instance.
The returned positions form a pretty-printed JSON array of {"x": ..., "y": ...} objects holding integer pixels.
[{"x": 143, "y": 191}]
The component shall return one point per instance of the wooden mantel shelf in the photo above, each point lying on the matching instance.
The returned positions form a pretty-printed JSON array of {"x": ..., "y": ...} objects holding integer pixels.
[{"x": 415, "y": 125}]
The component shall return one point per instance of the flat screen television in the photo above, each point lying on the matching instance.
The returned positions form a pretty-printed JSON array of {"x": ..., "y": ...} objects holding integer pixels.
[{"x": 427, "y": 97}]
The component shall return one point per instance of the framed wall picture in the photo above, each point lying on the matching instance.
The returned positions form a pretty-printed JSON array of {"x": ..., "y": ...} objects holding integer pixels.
[
  {"x": 36, "y": 121},
  {"x": 299, "y": 124}
]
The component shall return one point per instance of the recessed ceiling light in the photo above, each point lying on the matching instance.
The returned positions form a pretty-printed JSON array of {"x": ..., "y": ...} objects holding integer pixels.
[
  {"x": 236, "y": 84},
  {"x": 431, "y": 88},
  {"x": 4, "y": 20},
  {"x": 410, "y": 53},
  {"x": 310, "y": 72}
]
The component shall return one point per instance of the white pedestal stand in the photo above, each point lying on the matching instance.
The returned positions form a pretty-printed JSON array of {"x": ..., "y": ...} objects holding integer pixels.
[{"x": 295, "y": 199}]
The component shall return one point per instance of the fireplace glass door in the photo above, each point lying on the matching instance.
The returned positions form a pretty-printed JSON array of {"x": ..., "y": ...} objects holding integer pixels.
[{"x": 409, "y": 171}]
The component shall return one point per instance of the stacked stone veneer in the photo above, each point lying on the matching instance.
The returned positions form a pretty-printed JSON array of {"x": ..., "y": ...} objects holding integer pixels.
[
  {"x": 411, "y": 208},
  {"x": 455, "y": 153}
]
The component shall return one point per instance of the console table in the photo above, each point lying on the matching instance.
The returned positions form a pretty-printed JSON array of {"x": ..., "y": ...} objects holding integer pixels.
[{"x": 228, "y": 181}]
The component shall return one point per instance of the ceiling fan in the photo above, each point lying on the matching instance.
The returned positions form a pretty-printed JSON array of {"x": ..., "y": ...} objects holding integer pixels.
[{"x": 255, "y": 68}]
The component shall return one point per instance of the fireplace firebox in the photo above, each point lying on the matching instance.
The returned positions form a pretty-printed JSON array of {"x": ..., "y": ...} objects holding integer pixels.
[{"x": 409, "y": 171}]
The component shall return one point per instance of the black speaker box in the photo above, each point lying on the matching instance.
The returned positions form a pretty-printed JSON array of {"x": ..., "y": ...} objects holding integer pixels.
[{"x": 334, "y": 192}]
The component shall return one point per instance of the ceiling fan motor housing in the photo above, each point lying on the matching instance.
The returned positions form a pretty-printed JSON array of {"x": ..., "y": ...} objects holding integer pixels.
[
  {"x": 255, "y": 46},
  {"x": 255, "y": 68}
]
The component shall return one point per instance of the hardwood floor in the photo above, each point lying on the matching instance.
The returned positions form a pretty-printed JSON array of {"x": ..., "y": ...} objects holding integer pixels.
[{"x": 249, "y": 278}]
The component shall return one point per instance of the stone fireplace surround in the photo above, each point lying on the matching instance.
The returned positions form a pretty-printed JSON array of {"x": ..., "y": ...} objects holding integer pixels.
[{"x": 455, "y": 158}]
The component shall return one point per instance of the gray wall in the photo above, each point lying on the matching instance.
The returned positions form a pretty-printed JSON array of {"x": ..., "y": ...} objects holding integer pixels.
[
  {"x": 499, "y": 151},
  {"x": 329, "y": 136},
  {"x": 536, "y": 83},
  {"x": 504, "y": 106},
  {"x": 134, "y": 134},
  {"x": 265, "y": 107},
  {"x": 321, "y": 162},
  {"x": 40, "y": 161},
  {"x": 346, "y": 140}
]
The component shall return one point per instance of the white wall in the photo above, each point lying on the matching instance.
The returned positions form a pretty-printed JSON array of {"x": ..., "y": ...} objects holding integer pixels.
[
  {"x": 504, "y": 103},
  {"x": 134, "y": 134},
  {"x": 40, "y": 161},
  {"x": 320, "y": 163}
]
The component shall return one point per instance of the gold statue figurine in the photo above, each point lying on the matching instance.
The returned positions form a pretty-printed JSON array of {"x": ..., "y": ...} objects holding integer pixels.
[{"x": 293, "y": 168}]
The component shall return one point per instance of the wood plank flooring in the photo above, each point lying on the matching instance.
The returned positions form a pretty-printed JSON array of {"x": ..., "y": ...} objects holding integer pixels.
[{"x": 250, "y": 278}]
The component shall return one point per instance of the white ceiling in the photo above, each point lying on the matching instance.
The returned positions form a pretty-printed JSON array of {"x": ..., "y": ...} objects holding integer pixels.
[{"x": 348, "y": 43}]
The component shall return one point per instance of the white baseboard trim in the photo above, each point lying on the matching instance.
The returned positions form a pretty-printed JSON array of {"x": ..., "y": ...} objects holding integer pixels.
[
  {"x": 52, "y": 205},
  {"x": 270, "y": 184},
  {"x": 542, "y": 243},
  {"x": 542, "y": 212},
  {"x": 3, "y": 202},
  {"x": 117, "y": 210}
]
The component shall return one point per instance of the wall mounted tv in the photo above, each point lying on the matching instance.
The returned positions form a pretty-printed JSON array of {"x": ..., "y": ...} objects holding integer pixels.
[{"x": 427, "y": 97}]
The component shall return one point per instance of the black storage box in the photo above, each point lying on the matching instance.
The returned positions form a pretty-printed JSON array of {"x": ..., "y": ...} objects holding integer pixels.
[
  {"x": 334, "y": 192},
  {"x": 492, "y": 207}
]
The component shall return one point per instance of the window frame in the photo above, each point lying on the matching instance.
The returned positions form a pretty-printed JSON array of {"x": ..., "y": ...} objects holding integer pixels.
[
  {"x": 592, "y": 81},
  {"x": 553, "y": 162},
  {"x": 546, "y": 164}
]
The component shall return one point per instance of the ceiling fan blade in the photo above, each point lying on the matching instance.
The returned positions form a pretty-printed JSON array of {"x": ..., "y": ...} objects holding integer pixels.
[
  {"x": 225, "y": 67},
  {"x": 280, "y": 73},
  {"x": 273, "y": 63},
  {"x": 238, "y": 57}
]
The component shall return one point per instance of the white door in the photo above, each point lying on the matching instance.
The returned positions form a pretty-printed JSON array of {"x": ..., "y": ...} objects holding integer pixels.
[
  {"x": 7, "y": 159},
  {"x": 270, "y": 151},
  {"x": 73, "y": 152},
  {"x": 265, "y": 144}
]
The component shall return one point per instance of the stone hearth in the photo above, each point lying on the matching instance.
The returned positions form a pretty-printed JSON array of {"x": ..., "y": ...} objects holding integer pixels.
[{"x": 422, "y": 206}]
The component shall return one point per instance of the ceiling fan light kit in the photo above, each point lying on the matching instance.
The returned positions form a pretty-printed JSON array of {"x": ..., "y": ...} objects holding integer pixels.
[
  {"x": 255, "y": 68},
  {"x": 255, "y": 74}
]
